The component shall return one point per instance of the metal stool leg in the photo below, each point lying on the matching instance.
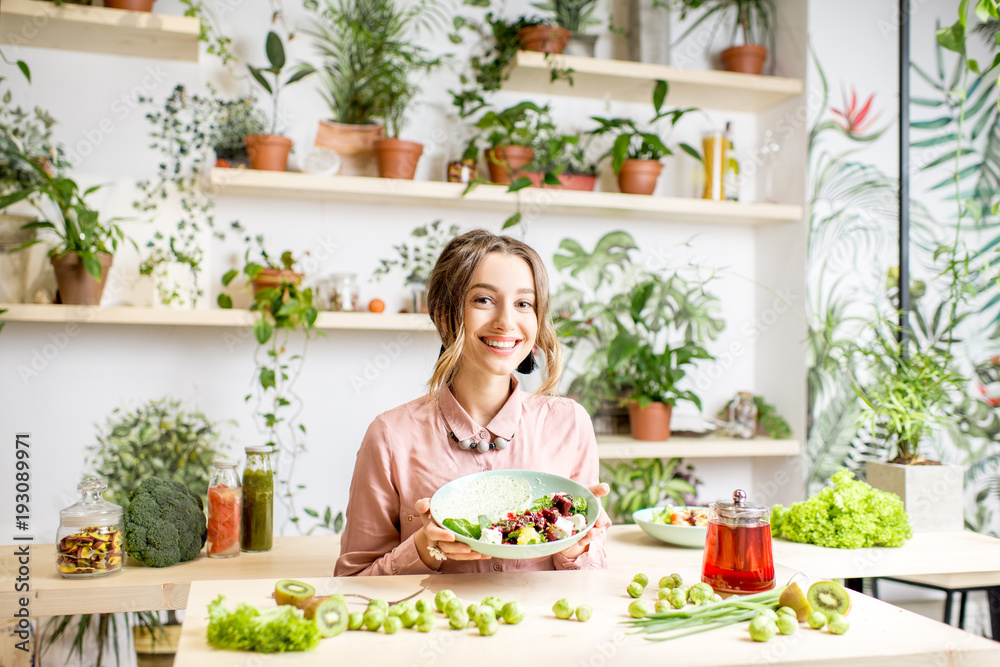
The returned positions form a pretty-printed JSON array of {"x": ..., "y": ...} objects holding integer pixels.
[
  {"x": 875, "y": 588},
  {"x": 993, "y": 596},
  {"x": 962, "y": 599},
  {"x": 947, "y": 606}
]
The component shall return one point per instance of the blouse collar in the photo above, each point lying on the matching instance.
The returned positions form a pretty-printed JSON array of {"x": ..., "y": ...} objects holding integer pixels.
[{"x": 462, "y": 425}]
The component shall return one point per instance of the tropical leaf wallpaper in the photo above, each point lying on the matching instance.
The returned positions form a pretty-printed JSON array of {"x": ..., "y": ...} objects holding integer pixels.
[{"x": 954, "y": 241}]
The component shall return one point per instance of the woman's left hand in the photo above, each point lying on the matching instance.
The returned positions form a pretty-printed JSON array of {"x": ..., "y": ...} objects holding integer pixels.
[{"x": 600, "y": 526}]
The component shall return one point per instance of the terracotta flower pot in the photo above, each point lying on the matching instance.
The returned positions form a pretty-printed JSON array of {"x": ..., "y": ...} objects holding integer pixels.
[
  {"x": 505, "y": 160},
  {"x": 268, "y": 151},
  {"x": 651, "y": 422},
  {"x": 544, "y": 38},
  {"x": 746, "y": 58},
  {"x": 76, "y": 286},
  {"x": 131, "y": 5},
  {"x": 397, "y": 159},
  {"x": 355, "y": 144},
  {"x": 577, "y": 182},
  {"x": 273, "y": 279},
  {"x": 638, "y": 177}
]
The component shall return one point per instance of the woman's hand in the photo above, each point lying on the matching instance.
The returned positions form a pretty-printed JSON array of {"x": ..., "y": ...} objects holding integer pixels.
[
  {"x": 600, "y": 526},
  {"x": 433, "y": 535}
]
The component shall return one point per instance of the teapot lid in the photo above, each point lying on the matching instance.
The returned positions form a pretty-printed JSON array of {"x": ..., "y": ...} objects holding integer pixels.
[{"x": 740, "y": 512}]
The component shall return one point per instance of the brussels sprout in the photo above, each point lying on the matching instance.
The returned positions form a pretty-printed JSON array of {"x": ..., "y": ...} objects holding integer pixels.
[
  {"x": 441, "y": 598},
  {"x": 562, "y": 608},
  {"x": 634, "y": 589},
  {"x": 762, "y": 628},
  {"x": 392, "y": 624},
  {"x": 584, "y": 612},
  {"x": 641, "y": 579},
  {"x": 512, "y": 613},
  {"x": 638, "y": 609}
]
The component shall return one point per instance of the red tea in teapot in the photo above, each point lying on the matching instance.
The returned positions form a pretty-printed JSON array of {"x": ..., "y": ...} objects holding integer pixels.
[{"x": 738, "y": 558}]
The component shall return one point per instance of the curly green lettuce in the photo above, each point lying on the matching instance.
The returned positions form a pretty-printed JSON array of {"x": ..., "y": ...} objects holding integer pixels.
[
  {"x": 283, "y": 628},
  {"x": 849, "y": 514}
]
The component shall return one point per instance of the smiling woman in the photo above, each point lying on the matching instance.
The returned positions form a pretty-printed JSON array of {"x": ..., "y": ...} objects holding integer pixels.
[{"x": 488, "y": 297}]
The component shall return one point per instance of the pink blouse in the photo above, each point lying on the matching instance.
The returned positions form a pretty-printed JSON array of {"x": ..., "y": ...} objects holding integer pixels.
[{"x": 407, "y": 454}]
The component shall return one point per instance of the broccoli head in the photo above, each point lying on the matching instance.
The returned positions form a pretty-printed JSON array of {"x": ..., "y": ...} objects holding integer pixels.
[{"x": 164, "y": 523}]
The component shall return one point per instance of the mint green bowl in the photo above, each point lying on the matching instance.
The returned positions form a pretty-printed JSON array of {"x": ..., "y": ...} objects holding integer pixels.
[
  {"x": 682, "y": 536},
  {"x": 541, "y": 483}
]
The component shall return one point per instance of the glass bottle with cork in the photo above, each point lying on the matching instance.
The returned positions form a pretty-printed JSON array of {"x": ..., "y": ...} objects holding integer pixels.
[
  {"x": 258, "y": 500},
  {"x": 225, "y": 513}
]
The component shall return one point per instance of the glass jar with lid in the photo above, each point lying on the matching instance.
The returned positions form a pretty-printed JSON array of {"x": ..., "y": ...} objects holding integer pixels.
[
  {"x": 738, "y": 557},
  {"x": 225, "y": 514},
  {"x": 89, "y": 542},
  {"x": 344, "y": 292},
  {"x": 258, "y": 500},
  {"x": 743, "y": 416}
]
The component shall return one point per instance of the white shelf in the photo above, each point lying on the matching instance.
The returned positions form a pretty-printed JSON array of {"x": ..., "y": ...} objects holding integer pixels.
[
  {"x": 383, "y": 191},
  {"x": 98, "y": 30},
  {"x": 211, "y": 317},
  {"x": 627, "y": 81},
  {"x": 626, "y": 447}
]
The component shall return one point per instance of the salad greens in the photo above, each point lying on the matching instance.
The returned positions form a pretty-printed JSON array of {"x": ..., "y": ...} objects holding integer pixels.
[
  {"x": 850, "y": 514},
  {"x": 283, "y": 628}
]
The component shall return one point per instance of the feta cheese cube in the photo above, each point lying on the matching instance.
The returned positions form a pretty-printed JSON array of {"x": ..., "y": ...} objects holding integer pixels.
[
  {"x": 563, "y": 527},
  {"x": 492, "y": 535}
]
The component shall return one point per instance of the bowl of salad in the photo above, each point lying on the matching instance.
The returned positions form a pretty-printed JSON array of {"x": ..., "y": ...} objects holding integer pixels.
[
  {"x": 515, "y": 513},
  {"x": 679, "y": 525}
]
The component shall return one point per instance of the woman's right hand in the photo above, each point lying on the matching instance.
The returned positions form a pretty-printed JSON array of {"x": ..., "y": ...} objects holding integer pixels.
[{"x": 433, "y": 535}]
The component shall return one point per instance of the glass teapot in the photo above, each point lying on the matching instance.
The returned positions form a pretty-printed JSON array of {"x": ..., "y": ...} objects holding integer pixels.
[{"x": 738, "y": 555}]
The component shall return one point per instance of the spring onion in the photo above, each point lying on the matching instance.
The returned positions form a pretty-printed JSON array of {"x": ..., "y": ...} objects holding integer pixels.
[{"x": 694, "y": 619}]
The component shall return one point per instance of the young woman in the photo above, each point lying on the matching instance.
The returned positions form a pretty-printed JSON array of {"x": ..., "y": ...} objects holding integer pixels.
[{"x": 488, "y": 296}]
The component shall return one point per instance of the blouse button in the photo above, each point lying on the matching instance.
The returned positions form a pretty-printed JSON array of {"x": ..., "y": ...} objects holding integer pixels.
[
  {"x": 483, "y": 434},
  {"x": 496, "y": 567}
]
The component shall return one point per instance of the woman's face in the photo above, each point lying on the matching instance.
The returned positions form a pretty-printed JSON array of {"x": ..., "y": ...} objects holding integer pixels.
[{"x": 500, "y": 318}]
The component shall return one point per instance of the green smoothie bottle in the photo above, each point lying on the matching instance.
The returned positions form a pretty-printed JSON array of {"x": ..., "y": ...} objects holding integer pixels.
[{"x": 258, "y": 500}]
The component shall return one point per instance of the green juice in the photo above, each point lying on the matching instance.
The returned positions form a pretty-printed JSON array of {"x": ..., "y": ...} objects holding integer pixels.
[{"x": 258, "y": 509}]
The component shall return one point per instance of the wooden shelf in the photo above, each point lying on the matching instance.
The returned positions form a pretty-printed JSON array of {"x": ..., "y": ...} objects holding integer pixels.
[
  {"x": 99, "y": 30},
  {"x": 382, "y": 191},
  {"x": 212, "y": 317},
  {"x": 626, "y": 447},
  {"x": 627, "y": 81}
]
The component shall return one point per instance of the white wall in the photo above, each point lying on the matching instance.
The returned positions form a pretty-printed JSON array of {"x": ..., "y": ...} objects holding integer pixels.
[{"x": 84, "y": 372}]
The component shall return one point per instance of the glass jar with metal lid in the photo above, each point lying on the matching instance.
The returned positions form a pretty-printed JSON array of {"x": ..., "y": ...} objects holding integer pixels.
[
  {"x": 89, "y": 542},
  {"x": 738, "y": 556},
  {"x": 258, "y": 500}
]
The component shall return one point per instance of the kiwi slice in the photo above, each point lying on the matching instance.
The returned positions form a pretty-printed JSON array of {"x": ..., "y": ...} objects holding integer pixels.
[
  {"x": 330, "y": 616},
  {"x": 829, "y": 597},
  {"x": 793, "y": 597},
  {"x": 289, "y": 591}
]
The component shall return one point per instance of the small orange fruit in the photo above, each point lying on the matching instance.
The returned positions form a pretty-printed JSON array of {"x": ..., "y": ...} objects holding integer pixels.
[{"x": 376, "y": 305}]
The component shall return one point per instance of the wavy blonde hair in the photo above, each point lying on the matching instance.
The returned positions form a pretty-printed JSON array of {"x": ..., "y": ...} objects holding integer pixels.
[{"x": 448, "y": 287}]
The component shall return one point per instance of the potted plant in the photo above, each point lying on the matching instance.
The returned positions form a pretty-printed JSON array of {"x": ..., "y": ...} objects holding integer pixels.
[
  {"x": 909, "y": 391},
  {"x": 560, "y": 162},
  {"x": 510, "y": 133},
  {"x": 270, "y": 151},
  {"x": 131, "y": 5},
  {"x": 636, "y": 152},
  {"x": 29, "y": 132},
  {"x": 235, "y": 120},
  {"x": 543, "y": 35},
  {"x": 610, "y": 307},
  {"x": 185, "y": 130},
  {"x": 359, "y": 42},
  {"x": 397, "y": 158},
  {"x": 575, "y": 16},
  {"x": 416, "y": 258},
  {"x": 164, "y": 438},
  {"x": 264, "y": 272},
  {"x": 753, "y": 24},
  {"x": 82, "y": 254}
]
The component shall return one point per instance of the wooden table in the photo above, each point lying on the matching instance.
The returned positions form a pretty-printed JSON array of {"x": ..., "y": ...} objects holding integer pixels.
[
  {"x": 140, "y": 588},
  {"x": 880, "y": 634},
  {"x": 954, "y": 554}
]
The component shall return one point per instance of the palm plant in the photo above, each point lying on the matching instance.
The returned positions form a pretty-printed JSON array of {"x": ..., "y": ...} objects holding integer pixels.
[
  {"x": 753, "y": 20},
  {"x": 574, "y": 15}
]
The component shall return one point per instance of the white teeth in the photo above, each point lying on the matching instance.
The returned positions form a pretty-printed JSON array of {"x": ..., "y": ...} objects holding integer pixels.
[{"x": 500, "y": 345}]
